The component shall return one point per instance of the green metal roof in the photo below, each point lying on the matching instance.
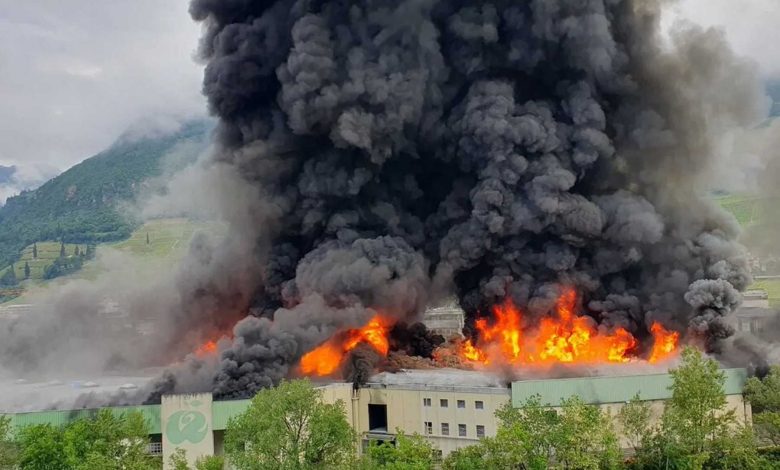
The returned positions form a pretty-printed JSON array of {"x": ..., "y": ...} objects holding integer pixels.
[
  {"x": 222, "y": 411},
  {"x": 60, "y": 418},
  {"x": 612, "y": 389}
]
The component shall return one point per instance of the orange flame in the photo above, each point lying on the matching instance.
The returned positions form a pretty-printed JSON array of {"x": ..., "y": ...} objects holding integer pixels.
[
  {"x": 328, "y": 357},
  {"x": 664, "y": 343},
  {"x": 206, "y": 349},
  {"x": 563, "y": 338}
]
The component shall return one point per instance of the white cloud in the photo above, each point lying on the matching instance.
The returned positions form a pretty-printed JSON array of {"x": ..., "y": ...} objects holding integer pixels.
[{"x": 75, "y": 74}]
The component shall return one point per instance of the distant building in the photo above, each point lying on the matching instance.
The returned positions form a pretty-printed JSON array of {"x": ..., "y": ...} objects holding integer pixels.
[
  {"x": 754, "y": 319},
  {"x": 755, "y": 298},
  {"x": 446, "y": 320}
]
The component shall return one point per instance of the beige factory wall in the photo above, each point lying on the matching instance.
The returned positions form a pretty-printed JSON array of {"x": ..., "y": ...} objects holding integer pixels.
[{"x": 406, "y": 410}]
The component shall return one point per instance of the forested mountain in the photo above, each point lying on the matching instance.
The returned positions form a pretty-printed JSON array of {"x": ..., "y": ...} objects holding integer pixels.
[{"x": 80, "y": 205}]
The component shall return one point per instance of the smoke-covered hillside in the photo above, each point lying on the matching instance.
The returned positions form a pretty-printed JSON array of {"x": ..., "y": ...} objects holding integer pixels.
[{"x": 80, "y": 205}]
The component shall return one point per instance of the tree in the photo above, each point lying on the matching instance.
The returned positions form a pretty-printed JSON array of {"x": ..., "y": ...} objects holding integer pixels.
[
  {"x": 537, "y": 437},
  {"x": 62, "y": 249},
  {"x": 178, "y": 460},
  {"x": 289, "y": 427},
  {"x": 147, "y": 238},
  {"x": 9, "y": 277},
  {"x": 407, "y": 453},
  {"x": 467, "y": 458},
  {"x": 41, "y": 447},
  {"x": 634, "y": 421},
  {"x": 26, "y": 270},
  {"x": 76, "y": 251},
  {"x": 35, "y": 251},
  {"x": 764, "y": 397},
  {"x": 107, "y": 442},
  {"x": 210, "y": 462},
  {"x": 8, "y": 454},
  {"x": 90, "y": 251},
  {"x": 697, "y": 429}
]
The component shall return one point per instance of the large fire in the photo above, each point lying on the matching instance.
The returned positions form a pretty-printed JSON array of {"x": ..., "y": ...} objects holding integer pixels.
[
  {"x": 563, "y": 338},
  {"x": 504, "y": 339},
  {"x": 328, "y": 357}
]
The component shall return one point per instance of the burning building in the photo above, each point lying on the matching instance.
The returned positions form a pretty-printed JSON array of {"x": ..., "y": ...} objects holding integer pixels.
[
  {"x": 542, "y": 161},
  {"x": 450, "y": 408}
]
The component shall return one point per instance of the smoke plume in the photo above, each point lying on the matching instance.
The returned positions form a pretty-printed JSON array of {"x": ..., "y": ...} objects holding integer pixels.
[{"x": 497, "y": 148}]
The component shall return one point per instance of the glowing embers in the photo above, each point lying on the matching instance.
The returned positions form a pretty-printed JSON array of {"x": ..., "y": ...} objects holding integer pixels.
[
  {"x": 564, "y": 338},
  {"x": 328, "y": 357},
  {"x": 206, "y": 349}
]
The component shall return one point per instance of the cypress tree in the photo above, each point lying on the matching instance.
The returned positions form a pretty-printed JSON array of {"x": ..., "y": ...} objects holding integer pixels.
[
  {"x": 62, "y": 248},
  {"x": 35, "y": 251},
  {"x": 26, "y": 270}
]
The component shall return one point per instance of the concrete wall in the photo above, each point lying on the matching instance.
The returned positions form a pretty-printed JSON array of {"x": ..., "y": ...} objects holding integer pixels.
[{"x": 186, "y": 424}]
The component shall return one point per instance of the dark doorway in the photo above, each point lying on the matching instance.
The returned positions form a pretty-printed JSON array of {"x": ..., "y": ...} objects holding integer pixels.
[{"x": 377, "y": 418}]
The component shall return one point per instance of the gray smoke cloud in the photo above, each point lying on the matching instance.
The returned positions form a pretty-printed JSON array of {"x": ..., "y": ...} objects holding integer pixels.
[{"x": 494, "y": 148}]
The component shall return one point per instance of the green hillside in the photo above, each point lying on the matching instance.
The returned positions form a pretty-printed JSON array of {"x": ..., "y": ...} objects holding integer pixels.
[
  {"x": 745, "y": 208},
  {"x": 169, "y": 240},
  {"x": 79, "y": 206}
]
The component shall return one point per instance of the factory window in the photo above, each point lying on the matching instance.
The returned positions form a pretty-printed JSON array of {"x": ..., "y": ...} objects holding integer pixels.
[
  {"x": 444, "y": 403},
  {"x": 445, "y": 429},
  {"x": 426, "y": 402},
  {"x": 462, "y": 430},
  {"x": 377, "y": 418},
  {"x": 461, "y": 403},
  {"x": 479, "y": 404},
  {"x": 428, "y": 427},
  {"x": 480, "y": 431}
]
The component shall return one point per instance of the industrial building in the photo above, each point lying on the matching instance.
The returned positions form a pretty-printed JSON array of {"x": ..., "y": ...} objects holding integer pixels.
[{"x": 451, "y": 408}]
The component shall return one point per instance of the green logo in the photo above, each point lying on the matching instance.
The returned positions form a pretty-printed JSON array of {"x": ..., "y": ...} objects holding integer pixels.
[{"x": 186, "y": 426}]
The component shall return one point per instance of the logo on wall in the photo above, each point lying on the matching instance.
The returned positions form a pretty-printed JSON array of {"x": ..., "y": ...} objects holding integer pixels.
[{"x": 186, "y": 426}]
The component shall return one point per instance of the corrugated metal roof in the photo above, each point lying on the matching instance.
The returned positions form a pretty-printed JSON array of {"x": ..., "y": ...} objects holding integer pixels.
[
  {"x": 222, "y": 411},
  {"x": 60, "y": 418},
  {"x": 612, "y": 389}
]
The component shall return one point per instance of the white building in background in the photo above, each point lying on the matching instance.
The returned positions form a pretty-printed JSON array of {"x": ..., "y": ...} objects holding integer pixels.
[{"x": 446, "y": 320}]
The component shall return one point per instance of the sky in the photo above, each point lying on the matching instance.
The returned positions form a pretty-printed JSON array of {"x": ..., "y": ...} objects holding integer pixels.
[{"x": 74, "y": 74}]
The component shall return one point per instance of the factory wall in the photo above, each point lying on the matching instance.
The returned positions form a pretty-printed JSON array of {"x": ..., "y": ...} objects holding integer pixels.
[{"x": 450, "y": 416}]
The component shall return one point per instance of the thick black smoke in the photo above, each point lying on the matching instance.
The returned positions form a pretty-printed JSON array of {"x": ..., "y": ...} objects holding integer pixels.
[{"x": 500, "y": 148}]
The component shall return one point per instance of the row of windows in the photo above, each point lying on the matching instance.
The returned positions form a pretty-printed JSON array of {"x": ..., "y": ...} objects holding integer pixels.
[
  {"x": 462, "y": 430},
  {"x": 444, "y": 403}
]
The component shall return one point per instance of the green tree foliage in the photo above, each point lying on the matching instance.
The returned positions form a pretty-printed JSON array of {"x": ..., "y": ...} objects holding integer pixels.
[
  {"x": 537, "y": 437},
  {"x": 8, "y": 453},
  {"x": 697, "y": 430},
  {"x": 210, "y": 462},
  {"x": 407, "y": 453},
  {"x": 289, "y": 427},
  {"x": 764, "y": 397},
  {"x": 26, "y": 270},
  {"x": 634, "y": 421},
  {"x": 35, "y": 251},
  {"x": 63, "y": 266},
  {"x": 41, "y": 447},
  {"x": 76, "y": 251},
  {"x": 178, "y": 460},
  {"x": 8, "y": 279},
  {"x": 107, "y": 442},
  {"x": 147, "y": 238},
  {"x": 62, "y": 249}
]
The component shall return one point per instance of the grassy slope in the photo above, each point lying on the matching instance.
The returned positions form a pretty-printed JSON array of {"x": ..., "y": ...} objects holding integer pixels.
[{"x": 169, "y": 241}]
